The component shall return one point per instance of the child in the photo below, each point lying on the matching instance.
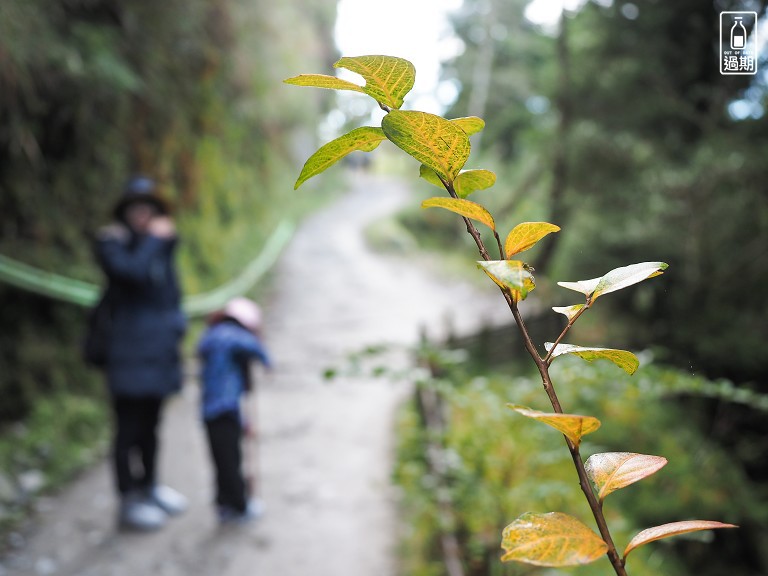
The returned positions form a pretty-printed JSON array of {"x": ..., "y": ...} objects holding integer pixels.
[{"x": 226, "y": 349}]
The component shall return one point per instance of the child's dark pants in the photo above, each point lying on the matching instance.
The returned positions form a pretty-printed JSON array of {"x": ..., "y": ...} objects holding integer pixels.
[{"x": 224, "y": 435}]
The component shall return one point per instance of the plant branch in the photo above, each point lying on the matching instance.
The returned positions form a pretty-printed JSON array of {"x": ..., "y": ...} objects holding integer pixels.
[
  {"x": 502, "y": 256},
  {"x": 571, "y": 321},
  {"x": 543, "y": 366},
  {"x": 471, "y": 229}
]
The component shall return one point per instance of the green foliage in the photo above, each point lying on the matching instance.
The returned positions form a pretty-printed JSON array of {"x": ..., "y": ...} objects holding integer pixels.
[
  {"x": 62, "y": 434},
  {"x": 500, "y": 465},
  {"x": 652, "y": 160},
  {"x": 181, "y": 90}
]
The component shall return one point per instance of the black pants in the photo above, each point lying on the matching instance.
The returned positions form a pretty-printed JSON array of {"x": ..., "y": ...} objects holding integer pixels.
[
  {"x": 224, "y": 436},
  {"x": 135, "y": 443}
]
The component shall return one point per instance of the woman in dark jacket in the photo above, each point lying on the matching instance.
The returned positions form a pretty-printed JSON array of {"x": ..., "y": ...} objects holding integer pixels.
[{"x": 143, "y": 366}]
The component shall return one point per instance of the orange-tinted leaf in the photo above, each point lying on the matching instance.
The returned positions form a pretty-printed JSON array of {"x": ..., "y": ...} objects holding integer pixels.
[
  {"x": 387, "y": 78},
  {"x": 510, "y": 274},
  {"x": 672, "y": 529},
  {"x": 573, "y": 426},
  {"x": 611, "y": 471},
  {"x": 466, "y": 208},
  {"x": 526, "y": 235},
  {"x": 622, "y": 358},
  {"x": 432, "y": 140},
  {"x": 553, "y": 539}
]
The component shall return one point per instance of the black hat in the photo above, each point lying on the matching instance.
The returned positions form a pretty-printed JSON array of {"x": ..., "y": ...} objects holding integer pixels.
[{"x": 140, "y": 188}]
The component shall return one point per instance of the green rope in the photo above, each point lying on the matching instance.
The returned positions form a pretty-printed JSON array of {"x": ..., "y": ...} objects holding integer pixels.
[{"x": 85, "y": 294}]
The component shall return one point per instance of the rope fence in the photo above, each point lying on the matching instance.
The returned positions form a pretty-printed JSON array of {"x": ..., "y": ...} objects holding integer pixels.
[{"x": 71, "y": 290}]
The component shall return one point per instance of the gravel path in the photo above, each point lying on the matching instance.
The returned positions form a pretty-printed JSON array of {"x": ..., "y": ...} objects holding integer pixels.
[{"x": 325, "y": 448}]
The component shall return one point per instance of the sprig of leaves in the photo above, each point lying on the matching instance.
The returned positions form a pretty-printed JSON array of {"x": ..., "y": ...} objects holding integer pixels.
[{"x": 442, "y": 147}]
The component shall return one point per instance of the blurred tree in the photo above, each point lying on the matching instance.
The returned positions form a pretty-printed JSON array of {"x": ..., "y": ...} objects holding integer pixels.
[
  {"x": 622, "y": 127},
  {"x": 631, "y": 119},
  {"x": 92, "y": 90}
]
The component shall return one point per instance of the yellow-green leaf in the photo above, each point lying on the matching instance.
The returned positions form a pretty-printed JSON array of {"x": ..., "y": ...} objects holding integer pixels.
[
  {"x": 431, "y": 139},
  {"x": 611, "y": 471},
  {"x": 553, "y": 539},
  {"x": 387, "y": 78},
  {"x": 510, "y": 274},
  {"x": 366, "y": 139},
  {"x": 470, "y": 124},
  {"x": 429, "y": 175},
  {"x": 573, "y": 426},
  {"x": 466, "y": 208},
  {"x": 469, "y": 181},
  {"x": 569, "y": 311},
  {"x": 672, "y": 529},
  {"x": 622, "y": 358},
  {"x": 526, "y": 235},
  {"x": 616, "y": 279},
  {"x": 323, "y": 81}
]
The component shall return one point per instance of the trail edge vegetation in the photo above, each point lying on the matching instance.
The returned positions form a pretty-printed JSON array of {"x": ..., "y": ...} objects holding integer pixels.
[{"x": 442, "y": 146}]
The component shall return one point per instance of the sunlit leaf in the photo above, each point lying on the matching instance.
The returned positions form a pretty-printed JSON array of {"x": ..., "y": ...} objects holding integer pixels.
[
  {"x": 672, "y": 529},
  {"x": 573, "y": 426},
  {"x": 569, "y": 311},
  {"x": 526, "y": 235},
  {"x": 611, "y": 471},
  {"x": 622, "y": 358},
  {"x": 470, "y": 124},
  {"x": 586, "y": 287},
  {"x": 510, "y": 274},
  {"x": 387, "y": 79},
  {"x": 466, "y": 208},
  {"x": 553, "y": 539},
  {"x": 616, "y": 279},
  {"x": 469, "y": 181},
  {"x": 627, "y": 276},
  {"x": 431, "y": 139},
  {"x": 365, "y": 139},
  {"x": 323, "y": 81}
]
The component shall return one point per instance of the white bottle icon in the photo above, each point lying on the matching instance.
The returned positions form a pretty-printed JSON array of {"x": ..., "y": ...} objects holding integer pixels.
[{"x": 738, "y": 34}]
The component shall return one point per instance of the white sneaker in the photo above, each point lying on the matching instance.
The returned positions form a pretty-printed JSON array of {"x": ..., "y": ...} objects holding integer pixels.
[
  {"x": 140, "y": 515},
  {"x": 167, "y": 499}
]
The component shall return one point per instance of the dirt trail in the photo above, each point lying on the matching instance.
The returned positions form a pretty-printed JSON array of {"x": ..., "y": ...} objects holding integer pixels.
[{"x": 325, "y": 449}]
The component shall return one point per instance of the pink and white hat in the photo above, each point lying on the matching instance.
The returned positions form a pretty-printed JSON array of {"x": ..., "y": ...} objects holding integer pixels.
[{"x": 245, "y": 311}]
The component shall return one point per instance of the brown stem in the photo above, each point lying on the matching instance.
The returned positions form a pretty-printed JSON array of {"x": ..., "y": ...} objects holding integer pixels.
[
  {"x": 470, "y": 226},
  {"x": 543, "y": 366},
  {"x": 571, "y": 322}
]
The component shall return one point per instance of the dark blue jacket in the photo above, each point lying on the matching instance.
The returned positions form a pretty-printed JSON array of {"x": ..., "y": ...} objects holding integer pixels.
[
  {"x": 226, "y": 348},
  {"x": 147, "y": 320}
]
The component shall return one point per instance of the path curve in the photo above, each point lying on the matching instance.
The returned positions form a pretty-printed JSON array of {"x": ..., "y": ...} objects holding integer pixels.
[{"x": 325, "y": 448}]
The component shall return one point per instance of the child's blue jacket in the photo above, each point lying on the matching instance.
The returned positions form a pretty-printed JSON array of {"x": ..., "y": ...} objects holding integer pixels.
[{"x": 225, "y": 350}]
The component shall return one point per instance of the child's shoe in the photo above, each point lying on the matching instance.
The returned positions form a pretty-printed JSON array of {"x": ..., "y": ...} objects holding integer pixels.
[
  {"x": 167, "y": 499},
  {"x": 230, "y": 516},
  {"x": 137, "y": 514}
]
